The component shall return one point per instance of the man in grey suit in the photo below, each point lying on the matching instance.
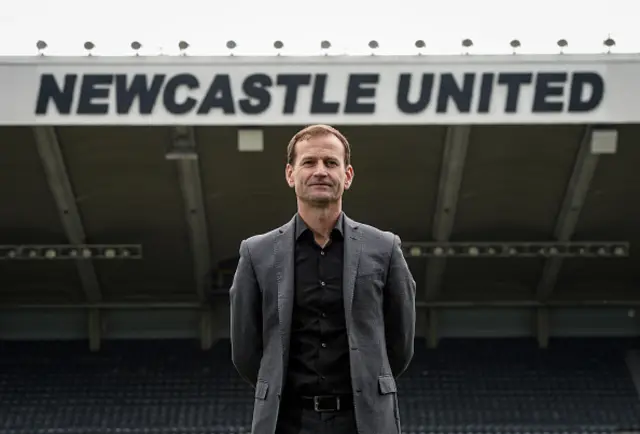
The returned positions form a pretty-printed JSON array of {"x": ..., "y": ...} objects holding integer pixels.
[{"x": 322, "y": 308}]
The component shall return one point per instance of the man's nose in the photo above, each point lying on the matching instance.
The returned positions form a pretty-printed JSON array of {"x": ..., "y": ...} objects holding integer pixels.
[{"x": 321, "y": 169}]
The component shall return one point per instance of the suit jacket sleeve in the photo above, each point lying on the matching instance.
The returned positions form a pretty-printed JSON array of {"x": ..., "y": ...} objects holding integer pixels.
[
  {"x": 246, "y": 319},
  {"x": 399, "y": 311}
]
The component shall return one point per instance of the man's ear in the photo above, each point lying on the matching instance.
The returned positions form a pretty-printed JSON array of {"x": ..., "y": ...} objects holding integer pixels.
[
  {"x": 349, "y": 177},
  {"x": 288, "y": 175}
]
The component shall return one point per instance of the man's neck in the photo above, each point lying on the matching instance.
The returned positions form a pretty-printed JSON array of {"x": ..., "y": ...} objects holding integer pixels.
[{"x": 321, "y": 221}]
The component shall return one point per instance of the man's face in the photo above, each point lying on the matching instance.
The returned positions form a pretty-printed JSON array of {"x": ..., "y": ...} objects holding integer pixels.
[{"x": 318, "y": 174}]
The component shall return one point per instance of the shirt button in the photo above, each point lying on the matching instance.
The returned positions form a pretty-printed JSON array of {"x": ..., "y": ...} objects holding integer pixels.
[
  {"x": 324, "y": 315},
  {"x": 322, "y": 253},
  {"x": 322, "y": 283},
  {"x": 324, "y": 345}
]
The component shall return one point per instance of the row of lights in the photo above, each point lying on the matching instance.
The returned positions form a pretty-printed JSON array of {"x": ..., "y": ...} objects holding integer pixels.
[
  {"x": 410, "y": 249},
  {"x": 67, "y": 252},
  {"x": 325, "y": 45},
  {"x": 516, "y": 250}
]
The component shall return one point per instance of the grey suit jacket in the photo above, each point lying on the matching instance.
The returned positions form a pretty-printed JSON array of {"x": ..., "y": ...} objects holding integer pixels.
[{"x": 379, "y": 303}]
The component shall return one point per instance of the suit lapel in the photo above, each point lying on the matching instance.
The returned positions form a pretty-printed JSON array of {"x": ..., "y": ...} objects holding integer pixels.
[
  {"x": 352, "y": 250},
  {"x": 284, "y": 266}
]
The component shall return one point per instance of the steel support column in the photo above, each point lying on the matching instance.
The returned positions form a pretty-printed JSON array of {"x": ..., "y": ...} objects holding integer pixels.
[
  {"x": 55, "y": 169},
  {"x": 183, "y": 140},
  {"x": 452, "y": 168},
  {"x": 566, "y": 222}
]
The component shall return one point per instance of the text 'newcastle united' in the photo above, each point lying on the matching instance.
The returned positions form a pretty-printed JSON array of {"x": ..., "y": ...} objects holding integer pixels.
[{"x": 320, "y": 94}]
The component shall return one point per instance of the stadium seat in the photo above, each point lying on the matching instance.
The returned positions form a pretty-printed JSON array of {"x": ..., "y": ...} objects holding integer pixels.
[{"x": 171, "y": 387}]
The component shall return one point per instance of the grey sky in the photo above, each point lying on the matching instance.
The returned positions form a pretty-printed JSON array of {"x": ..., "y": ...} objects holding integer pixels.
[{"x": 349, "y": 24}]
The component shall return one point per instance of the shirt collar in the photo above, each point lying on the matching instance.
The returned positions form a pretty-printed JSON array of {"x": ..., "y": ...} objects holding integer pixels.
[{"x": 301, "y": 226}]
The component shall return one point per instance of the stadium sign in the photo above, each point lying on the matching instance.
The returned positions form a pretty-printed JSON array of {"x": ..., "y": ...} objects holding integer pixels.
[{"x": 276, "y": 91}]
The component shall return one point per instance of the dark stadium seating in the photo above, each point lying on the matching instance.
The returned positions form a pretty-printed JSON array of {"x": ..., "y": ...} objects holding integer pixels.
[{"x": 171, "y": 387}]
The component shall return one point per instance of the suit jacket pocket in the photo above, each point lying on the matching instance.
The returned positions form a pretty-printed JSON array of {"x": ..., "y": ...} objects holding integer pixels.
[
  {"x": 387, "y": 384},
  {"x": 368, "y": 277},
  {"x": 261, "y": 389}
]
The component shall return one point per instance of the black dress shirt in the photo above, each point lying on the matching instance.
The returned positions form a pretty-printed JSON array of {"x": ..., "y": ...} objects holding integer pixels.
[{"x": 319, "y": 349}]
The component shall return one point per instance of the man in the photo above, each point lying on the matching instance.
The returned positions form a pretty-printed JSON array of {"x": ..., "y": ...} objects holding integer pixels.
[{"x": 322, "y": 308}]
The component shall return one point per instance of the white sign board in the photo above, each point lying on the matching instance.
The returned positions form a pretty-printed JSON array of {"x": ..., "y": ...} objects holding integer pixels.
[{"x": 600, "y": 89}]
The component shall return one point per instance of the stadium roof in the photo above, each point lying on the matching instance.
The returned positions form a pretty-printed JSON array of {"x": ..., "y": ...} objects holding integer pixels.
[
  {"x": 512, "y": 189},
  {"x": 494, "y": 189}
]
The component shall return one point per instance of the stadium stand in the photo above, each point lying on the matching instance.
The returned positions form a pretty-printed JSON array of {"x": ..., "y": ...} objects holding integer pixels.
[{"x": 466, "y": 386}]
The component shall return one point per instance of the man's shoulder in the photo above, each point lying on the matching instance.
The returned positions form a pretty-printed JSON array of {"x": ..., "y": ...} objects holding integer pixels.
[
  {"x": 373, "y": 233},
  {"x": 266, "y": 238}
]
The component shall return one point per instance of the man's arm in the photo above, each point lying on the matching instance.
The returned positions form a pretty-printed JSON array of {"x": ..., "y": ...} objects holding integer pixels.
[
  {"x": 399, "y": 311},
  {"x": 246, "y": 319}
]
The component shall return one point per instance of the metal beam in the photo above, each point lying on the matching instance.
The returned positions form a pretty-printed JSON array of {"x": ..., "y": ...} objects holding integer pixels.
[
  {"x": 431, "y": 332},
  {"x": 542, "y": 326},
  {"x": 55, "y": 169},
  {"x": 451, "y": 169},
  {"x": 191, "y": 187},
  {"x": 184, "y": 152},
  {"x": 567, "y": 220},
  {"x": 95, "y": 324},
  {"x": 453, "y": 159}
]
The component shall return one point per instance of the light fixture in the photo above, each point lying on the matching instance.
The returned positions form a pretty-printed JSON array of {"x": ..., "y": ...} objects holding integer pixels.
[
  {"x": 415, "y": 251},
  {"x": 467, "y": 44},
  {"x": 373, "y": 44},
  {"x": 89, "y": 46},
  {"x": 620, "y": 251},
  {"x": 609, "y": 42},
  {"x": 278, "y": 45},
  {"x": 183, "y": 45},
  {"x": 612, "y": 249},
  {"x": 604, "y": 141},
  {"x": 250, "y": 140},
  {"x": 515, "y": 44},
  {"x": 41, "y": 46},
  {"x": 135, "y": 46},
  {"x": 562, "y": 43},
  {"x": 55, "y": 252},
  {"x": 231, "y": 45}
]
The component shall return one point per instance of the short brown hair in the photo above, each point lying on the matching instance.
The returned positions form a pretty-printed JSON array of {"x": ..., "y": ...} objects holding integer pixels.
[{"x": 316, "y": 131}]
